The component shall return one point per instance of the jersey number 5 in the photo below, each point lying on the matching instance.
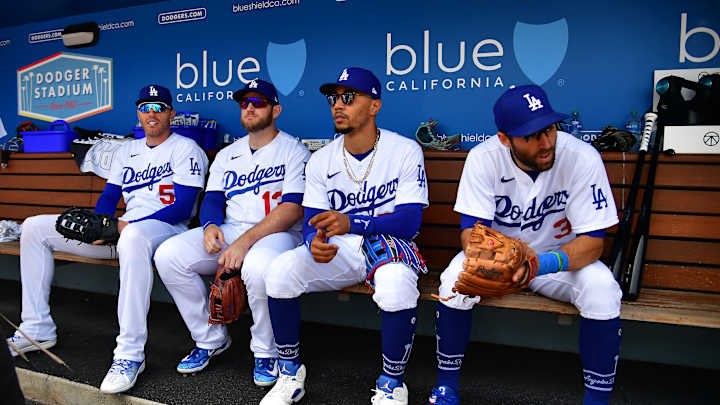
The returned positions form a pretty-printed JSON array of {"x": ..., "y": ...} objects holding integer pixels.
[
  {"x": 167, "y": 194},
  {"x": 267, "y": 198}
]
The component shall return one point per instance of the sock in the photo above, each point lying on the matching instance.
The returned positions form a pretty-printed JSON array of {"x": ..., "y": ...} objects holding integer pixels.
[
  {"x": 398, "y": 332},
  {"x": 599, "y": 353},
  {"x": 452, "y": 331},
  {"x": 285, "y": 319}
]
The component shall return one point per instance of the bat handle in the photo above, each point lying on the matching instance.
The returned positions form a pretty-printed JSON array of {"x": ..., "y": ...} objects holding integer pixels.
[{"x": 650, "y": 125}]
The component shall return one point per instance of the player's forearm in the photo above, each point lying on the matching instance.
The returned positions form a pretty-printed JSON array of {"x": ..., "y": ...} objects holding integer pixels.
[
  {"x": 279, "y": 219},
  {"x": 582, "y": 251},
  {"x": 465, "y": 238}
]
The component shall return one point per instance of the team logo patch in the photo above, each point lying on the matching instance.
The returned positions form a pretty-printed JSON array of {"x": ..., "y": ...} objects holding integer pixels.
[
  {"x": 286, "y": 64},
  {"x": 343, "y": 76},
  {"x": 545, "y": 42}
]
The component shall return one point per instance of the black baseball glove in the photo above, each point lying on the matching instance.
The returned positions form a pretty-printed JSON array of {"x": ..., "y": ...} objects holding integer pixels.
[
  {"x": 87, "y": 226},
  {"x": 614, "y": 140}
]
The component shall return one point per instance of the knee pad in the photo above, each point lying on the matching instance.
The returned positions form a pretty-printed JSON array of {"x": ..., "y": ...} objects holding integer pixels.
[{"x": 395, "y": 287}]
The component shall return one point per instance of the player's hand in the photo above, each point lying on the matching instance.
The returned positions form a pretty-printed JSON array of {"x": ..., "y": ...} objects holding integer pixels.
[
  {"x": 233, "y": 256},
  {"x": 121, "y": 226},
  {"x": 519, "y": 274},
  {"x": 322, "y": 252},
  {"x": 213, "y": 239},
  {"x": 333, "y": 222}
]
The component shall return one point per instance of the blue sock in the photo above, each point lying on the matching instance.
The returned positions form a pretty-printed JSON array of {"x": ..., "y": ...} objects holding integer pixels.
[
  {"x": 285, "y": 319},
  {"x": 452, "y": 331},
  {"x": 599, "y": 353},
  {"x": 398, "y": 332}
]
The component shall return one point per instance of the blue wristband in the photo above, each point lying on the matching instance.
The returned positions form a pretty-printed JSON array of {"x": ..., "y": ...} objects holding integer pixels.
[{"x": 552, "y": 262}]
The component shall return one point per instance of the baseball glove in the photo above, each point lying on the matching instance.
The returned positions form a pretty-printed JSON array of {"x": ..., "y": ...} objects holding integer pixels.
[
  {"x": 228, "y": 297},
  {"x": 491, "y": 259},
  {"x": 612, "y": 139},
  {"x": 87, "y": 226}
]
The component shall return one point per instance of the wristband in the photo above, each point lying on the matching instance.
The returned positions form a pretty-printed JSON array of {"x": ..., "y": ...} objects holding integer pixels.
[{"x": 552, "y": 262}]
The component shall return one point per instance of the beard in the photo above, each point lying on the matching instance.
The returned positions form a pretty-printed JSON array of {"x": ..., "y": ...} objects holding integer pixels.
[
  {"x": 259, "y": 125},
  {"x": 531, "y": 161},
  {"x": 344, "y": 131}
]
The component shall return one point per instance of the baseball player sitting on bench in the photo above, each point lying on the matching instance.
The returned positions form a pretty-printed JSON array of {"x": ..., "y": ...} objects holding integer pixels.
[
  {"x": 365, "y": 191},
  {"x": 260, "y": 178},
  {"x": 549, "y": 189},
  {"x": 159, "y": 177}
]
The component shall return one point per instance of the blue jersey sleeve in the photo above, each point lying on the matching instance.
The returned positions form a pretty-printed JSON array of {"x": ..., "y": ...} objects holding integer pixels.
[
  {"x": 212, "y": 209},
  {"x": 178, "y": 211},
  {"x": 468, "y": 221},
  {"x": 404, "y": 222},
  {"x": 108, "y": 201}
]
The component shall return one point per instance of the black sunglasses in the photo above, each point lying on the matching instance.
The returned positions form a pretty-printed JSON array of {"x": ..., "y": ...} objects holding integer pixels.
[{"x": 347, "y": 98}]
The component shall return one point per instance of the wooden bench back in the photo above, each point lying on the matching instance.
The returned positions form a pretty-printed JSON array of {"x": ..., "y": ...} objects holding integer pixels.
[
  {"x": 684, "y": 244},
  {"x": 683, "y": 250}
]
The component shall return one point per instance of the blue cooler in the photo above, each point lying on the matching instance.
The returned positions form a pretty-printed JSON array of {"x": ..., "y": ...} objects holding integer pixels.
[
  {"x": 205, "y": 137},
  {"x": 56, "y": 139}
]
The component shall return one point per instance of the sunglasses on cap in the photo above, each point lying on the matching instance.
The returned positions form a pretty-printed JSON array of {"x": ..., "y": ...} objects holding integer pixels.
[
  {"x": 257, "y": 102},
  {"x": 347, "y": 98},
  {"x": 156, "y": 107}
]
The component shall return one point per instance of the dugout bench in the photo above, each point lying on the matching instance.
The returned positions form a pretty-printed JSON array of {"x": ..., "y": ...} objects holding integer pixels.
[{"x": 680, "y": 281}]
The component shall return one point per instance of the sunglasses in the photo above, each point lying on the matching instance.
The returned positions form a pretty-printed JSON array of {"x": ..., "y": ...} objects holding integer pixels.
[
  {"x": 257, "y": 102},
  {"x": 156, "y": 107},
  {"x": 347, "y": 98}
]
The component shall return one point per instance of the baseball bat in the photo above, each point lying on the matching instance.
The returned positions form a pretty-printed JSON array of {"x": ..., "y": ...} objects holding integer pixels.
[
  {"x": 619, "y": 247},
  {"x": 633, "y": 271}
]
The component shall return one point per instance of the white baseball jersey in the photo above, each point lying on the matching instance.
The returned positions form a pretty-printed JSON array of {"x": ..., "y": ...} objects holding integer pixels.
[
  {"x": 570, "y": 198},
  {"x": 397, "y": 176},
  {"x": 146, "y": 175},
  {"x": 254, "y": 183}
]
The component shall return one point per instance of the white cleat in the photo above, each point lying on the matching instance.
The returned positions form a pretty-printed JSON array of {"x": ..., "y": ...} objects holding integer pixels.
[
  {"x": 288, "y": 389},
  {"x": 389, "y": 392},
  {"x": 23, "y": 345},
  {"x": 122, "y": 376}
]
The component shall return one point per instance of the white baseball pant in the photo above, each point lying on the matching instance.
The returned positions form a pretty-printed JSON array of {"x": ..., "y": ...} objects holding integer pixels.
[
  {"x": 295, "y": 272},
  {"x": 134, "y": 251},
  {"x": 182, "y": 259},
  {"x": 592, "y": 289}
]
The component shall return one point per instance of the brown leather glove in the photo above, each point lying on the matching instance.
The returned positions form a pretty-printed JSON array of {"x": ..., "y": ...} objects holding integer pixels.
[
  {"x": 228, "y": 297},
  {"x": 491, "y": 260}
]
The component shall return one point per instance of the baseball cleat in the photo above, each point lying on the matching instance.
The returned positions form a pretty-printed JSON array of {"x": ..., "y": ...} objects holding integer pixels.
[
  {"x": 266, "y": 372},
  {"x": 23, "y": 345},
  {"x": 443, "y": 395},
  {"x": 389, "y": 391},
  {"x": 290, "y": 385},
  {"x": 122, "y": 376},
  {"x": 199, "y": 358}
]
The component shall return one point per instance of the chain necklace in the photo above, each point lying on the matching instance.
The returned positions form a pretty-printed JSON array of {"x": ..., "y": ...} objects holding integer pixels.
[{"x": 357, "y": 181}]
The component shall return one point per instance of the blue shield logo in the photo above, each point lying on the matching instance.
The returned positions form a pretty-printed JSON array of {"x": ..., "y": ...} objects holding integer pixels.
[
  {"x": 540, "y": 49},
  {"x": 286, "y": 64}
]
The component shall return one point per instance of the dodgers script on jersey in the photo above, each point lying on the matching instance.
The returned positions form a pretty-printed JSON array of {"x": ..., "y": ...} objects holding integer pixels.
[
  {"x": 254, "y": 183},
  {"x": 396, "y": 177},
  {"x": 146, "y": 175},
  {"x": 572, "y": 197}
]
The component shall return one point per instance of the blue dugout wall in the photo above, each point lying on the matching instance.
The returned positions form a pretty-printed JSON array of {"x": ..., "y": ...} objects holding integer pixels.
[{"x": 444, "y": 60}]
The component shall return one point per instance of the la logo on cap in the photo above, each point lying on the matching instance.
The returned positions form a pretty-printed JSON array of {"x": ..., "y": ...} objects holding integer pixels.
[
  {"x": 343, "y": 76},
  {"x": 253, "y": 84},
  {"x": 374, "y": 91},
  {"x": 153, "y": 92},
  {"x": 534, "y": 104}
]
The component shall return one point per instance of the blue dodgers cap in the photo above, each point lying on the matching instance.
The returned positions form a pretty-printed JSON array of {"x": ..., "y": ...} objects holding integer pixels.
[
  {"x": 154, "y": 92},
  {"x": 524, "y": 110},
  {"x": 259, "y": 86},
  {"x": 355, "y": 78}
]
